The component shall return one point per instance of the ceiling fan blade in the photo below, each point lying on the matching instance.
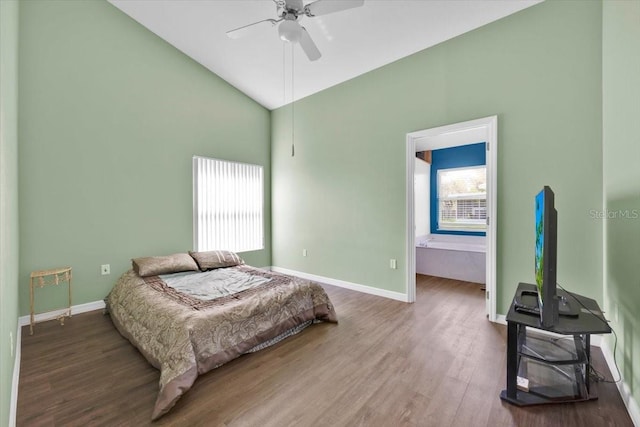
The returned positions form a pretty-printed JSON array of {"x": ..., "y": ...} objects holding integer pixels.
[
  {"x": 251, "y": 28},
  {"x": 309, "y": 47},
  {"x": 325, "y": 7}
]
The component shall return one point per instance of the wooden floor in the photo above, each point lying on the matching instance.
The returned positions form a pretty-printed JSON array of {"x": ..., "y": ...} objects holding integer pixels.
[{"x": 437, "y": 362}]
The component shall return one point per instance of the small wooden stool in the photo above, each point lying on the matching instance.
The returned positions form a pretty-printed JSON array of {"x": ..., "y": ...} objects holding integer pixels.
[{"x": 43, "y": 278}]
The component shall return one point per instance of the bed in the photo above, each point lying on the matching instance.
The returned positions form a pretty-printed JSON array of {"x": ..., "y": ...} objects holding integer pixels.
[{"x": 190, "y": 313}]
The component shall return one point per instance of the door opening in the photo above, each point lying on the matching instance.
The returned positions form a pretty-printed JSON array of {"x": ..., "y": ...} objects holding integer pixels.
[{"x": 458, "y": 134}]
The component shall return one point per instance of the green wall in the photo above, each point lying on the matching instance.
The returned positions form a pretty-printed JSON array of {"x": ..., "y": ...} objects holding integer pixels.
[
  {"x": 110, "y": 117},
  {"x": 8, "y": 199},
  {"x": 621, "y": 130},
  {"x": 342, "y": 197}
]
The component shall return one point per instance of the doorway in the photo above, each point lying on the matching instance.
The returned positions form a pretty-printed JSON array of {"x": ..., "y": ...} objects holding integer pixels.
[{"x": 463, "y": 133}]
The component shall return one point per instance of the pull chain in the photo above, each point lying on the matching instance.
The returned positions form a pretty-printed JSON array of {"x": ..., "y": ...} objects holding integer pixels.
[{"x": 293, "y": 108}]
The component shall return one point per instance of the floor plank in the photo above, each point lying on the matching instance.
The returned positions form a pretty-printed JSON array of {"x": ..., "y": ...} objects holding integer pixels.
[{"x": 437, "y": 362}]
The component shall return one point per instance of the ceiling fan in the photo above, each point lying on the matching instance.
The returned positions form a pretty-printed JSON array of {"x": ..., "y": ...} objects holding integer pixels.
[{"x": 289, "y": 13}]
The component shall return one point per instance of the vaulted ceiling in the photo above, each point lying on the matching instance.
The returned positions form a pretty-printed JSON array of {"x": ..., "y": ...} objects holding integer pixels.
[{"x": 352, "y": 42}]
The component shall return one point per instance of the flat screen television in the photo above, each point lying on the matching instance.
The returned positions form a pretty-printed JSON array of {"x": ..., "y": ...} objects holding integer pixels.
[
  {"x": 546, "y": 256},
  {"x": 546, "y": 301}
]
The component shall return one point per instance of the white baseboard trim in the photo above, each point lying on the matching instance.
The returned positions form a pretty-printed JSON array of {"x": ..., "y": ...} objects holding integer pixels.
[
  {"x": 13, "y": 408},
  {"x": 75, "y": 309},
  {"x": 596, "y": 340},
  {"x": 625, "y": 392},
  {"x": 344, "y": 284}
]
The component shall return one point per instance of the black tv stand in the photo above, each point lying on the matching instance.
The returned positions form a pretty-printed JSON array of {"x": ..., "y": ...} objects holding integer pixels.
[
  {"x": 556, "y": 370},
  {"x": 526, "y": 301}
]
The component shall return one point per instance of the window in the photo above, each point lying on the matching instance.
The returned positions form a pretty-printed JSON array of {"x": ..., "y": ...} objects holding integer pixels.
[
  {"x": 227, "y": 205},
  {"x": 462, "y": 199}
]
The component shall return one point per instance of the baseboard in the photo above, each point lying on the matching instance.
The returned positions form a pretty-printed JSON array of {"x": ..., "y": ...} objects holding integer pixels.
[
  {"x": 596, "y": 340},
  {"x": 625, "y": 392},
  {"x": 75, "y": 309},
  {"x": 344, "y": 284},
  {"x": 13, "y": 408}
]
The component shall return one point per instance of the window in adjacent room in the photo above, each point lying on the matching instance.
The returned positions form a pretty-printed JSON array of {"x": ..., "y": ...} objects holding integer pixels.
[
  {"x": 228, "y": 205},
  {"x": 462, "y": 199}
]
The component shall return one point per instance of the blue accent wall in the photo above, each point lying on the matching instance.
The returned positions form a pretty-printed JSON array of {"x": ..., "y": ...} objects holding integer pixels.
[{"x": 454, "y": 157}]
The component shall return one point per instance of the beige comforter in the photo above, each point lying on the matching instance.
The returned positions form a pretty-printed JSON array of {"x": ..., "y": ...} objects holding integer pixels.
[{"x": 184, "y": 336}]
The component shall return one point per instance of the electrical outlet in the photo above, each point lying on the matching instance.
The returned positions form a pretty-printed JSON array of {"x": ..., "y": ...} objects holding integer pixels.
[
  {"x": 304, "y": 252},
  {"x": 105, "y": 269},
  {"x": 11, "y": 340},
  {"x": 392, "y": 264}
]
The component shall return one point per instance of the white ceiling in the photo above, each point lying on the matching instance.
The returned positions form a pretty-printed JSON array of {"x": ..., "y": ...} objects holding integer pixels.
[{"x": 352, "y": 42}]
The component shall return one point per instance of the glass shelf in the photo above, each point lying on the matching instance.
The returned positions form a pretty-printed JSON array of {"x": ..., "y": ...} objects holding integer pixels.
[
  {"x": 558, "y": 351},
  {"x": 554, "y": 382}
]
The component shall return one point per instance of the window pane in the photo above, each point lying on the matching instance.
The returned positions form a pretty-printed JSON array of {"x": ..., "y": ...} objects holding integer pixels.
[
  {"x": 462, "y": 199},
  {"x": 228, "y": 205}
]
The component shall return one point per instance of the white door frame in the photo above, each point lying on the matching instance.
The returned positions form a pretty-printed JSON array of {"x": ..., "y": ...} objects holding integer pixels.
[{"x": 463, "y": 133}]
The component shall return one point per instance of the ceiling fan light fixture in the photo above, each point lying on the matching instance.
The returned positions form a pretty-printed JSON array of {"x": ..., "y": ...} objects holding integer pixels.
[{"x": 290, "y": 31}]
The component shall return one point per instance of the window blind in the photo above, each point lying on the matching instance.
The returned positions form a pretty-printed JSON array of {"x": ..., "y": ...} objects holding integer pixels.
[
  {"x": 228, "y": 205},
  {"x": 462, "y": 203}
]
